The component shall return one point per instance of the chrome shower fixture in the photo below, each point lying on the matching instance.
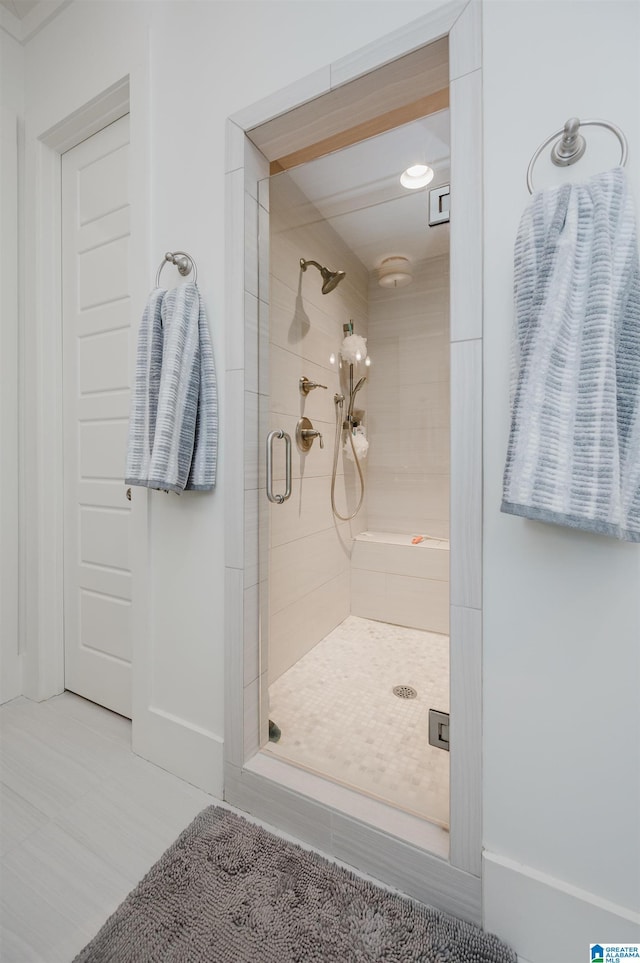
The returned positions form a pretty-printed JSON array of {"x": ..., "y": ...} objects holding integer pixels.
[
  {"x": 350, "y": 421},
  {"x": 330, "y": 279},
  {"x": 348, "y": 424}
]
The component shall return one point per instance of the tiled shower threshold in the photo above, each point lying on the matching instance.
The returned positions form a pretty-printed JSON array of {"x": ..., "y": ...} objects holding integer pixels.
[{"x": 378, "y": 815}]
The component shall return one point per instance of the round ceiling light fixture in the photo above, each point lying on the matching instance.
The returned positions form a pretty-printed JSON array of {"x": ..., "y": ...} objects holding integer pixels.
[
  {"x": 395, "y": 272},
  {"x": 417, "y": 176}
]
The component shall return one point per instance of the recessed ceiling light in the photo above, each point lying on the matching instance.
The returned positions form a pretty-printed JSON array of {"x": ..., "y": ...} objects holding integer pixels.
[{"x": 417, "y": 176}]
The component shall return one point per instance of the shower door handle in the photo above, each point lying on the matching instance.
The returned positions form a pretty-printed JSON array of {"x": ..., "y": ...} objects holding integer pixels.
[{"x": 278, "y": 433}]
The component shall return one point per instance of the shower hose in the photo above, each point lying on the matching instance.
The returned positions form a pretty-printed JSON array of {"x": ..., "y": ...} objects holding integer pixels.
[{"x": 339, "y": 400}]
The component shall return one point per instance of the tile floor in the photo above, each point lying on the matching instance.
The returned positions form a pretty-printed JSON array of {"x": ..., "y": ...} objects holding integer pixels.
[
  {"x": 339, "y": 717},
  {"x": 81, "y": 821}
]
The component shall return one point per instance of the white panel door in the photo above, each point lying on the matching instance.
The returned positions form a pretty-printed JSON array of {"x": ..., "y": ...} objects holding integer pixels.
[{"x": 97, "y": 345}]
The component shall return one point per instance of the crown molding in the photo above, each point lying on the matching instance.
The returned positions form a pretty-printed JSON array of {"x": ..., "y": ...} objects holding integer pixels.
[{"x": 42, "y": 14}]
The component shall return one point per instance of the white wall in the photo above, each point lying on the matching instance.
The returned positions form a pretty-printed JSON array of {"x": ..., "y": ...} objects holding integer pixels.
[
  {"x": 408, "y": 460},
  {"x": 200, "y": 62},
  {"x": 408, "y": 406},
  {"x": 562, "y": 608},
  {"x": 11, "y": 109}
]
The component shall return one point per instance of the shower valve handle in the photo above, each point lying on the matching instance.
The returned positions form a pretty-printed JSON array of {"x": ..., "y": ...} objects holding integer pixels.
[
  {"x": 306, "y": 433},
  {"x": 306, "y": 386}
]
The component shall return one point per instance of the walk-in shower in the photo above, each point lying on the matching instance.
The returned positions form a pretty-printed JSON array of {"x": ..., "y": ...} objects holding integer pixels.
[{"x": 353, "y": 570}]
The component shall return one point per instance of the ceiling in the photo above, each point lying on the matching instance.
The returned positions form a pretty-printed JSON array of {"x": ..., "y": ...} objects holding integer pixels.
[
  {"x": 19, "y": 8},
  {"x": 358, "y": 191},
  {"x": 23, "y": 19}
]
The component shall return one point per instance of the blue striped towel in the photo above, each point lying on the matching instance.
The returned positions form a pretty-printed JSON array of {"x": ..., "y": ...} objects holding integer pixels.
[
  {"x": 173, "y": 428},
  {"x": 144, "y": 395},
  {"x": 574, "y": 447}
]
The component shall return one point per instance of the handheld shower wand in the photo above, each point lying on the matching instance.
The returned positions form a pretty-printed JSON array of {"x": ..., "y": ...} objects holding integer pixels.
[
  {"x": 347, "y": 425},
  {"x": 354, "y": 392},
  {"x": 339, "y": 402}
]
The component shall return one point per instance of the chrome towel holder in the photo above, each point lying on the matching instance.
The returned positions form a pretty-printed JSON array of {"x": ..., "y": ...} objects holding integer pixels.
[
  {"x": 183, "y": 261},
  {"x": 572, "y": 145}
]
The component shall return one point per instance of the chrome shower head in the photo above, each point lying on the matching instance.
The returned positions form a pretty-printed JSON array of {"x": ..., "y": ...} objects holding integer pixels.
[{"x": 330, "y": 279}]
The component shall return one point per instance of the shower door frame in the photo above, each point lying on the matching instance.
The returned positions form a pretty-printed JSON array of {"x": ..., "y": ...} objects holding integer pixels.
[{"x": 444, "y": 872}]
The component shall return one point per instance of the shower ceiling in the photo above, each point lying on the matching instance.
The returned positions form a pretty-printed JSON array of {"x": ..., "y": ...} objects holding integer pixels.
[
  {"x": 19, "y": 8},
  {"x": 358, "y": 189}
]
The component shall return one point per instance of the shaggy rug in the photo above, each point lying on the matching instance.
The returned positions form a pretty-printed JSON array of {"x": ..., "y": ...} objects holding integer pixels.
[{"x": 227, "y": 891}]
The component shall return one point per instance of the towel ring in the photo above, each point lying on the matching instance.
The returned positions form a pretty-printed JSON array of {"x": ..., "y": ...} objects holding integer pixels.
[
  {"x": 183, "y": 261},
  {"x": 572, "y": 145}
]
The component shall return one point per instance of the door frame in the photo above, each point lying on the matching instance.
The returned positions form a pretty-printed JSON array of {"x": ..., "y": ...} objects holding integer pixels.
[
  {"x": 411, "y": 854},
  {"x": 10, "y": 658},
  {"x": 42, "y": 456}
]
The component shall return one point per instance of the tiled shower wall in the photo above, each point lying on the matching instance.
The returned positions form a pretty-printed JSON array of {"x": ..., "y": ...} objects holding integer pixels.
[
  {"x": 309, "y": 572},
  {"x": 408, "y": 404},
  {"x": 408, "y": 470}
]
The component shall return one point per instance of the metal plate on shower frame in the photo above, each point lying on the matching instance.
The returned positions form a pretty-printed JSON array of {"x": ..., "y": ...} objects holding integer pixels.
[
  {"x": 439, "y": 205},
  {"x": 439, "y": 729}
]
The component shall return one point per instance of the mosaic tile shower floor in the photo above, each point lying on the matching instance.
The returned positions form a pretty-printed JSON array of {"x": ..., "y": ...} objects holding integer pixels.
[{"x": 339, "y": 717}]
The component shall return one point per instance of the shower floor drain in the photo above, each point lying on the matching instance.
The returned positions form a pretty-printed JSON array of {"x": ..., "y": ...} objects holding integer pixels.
[{"x": 405, "y": 691}]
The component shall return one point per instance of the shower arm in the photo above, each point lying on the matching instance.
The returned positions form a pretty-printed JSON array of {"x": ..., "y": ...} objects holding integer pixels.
[{"x": 305, "y": 262}]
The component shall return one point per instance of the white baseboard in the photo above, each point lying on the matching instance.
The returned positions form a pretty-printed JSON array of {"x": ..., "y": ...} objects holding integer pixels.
[
  {"x": 188, "y": 751},
  {"x": 545, "y": 919}
]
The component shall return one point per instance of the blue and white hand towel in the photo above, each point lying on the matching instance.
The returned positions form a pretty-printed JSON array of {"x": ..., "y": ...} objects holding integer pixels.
[
  {"x": 144, "y": 395},
  {"x": 177, "y": 449},
  {"x": 574, "y": 447}
]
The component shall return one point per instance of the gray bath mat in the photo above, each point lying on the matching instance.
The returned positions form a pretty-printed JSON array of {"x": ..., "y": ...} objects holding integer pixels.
[{"x": 227, "y": 891}]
